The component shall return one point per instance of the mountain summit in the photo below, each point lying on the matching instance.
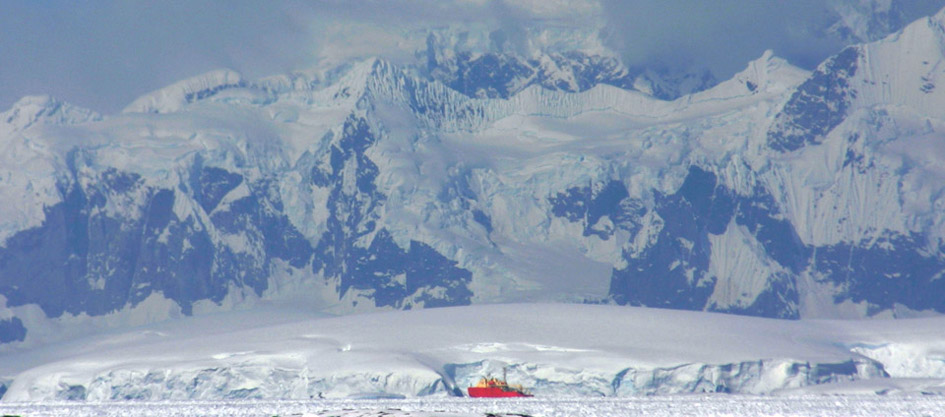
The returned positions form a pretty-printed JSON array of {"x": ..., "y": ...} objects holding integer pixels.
[{"x": 485, "y": 177}]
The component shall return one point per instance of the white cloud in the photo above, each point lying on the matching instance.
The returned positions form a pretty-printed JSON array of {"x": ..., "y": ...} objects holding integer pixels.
[
  {"x": 723, "y": 35},
  {"x": 104, "y": 54}
]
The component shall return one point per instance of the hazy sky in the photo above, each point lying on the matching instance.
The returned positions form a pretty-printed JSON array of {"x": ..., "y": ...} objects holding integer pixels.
[{"x": 103, "y": 54}]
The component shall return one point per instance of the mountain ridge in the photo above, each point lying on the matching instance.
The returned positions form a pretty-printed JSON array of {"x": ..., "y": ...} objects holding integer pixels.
[{"x": 780, "y": 193}]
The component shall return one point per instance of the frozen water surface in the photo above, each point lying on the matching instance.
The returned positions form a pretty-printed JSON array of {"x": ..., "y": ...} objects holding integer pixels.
[{"x": 702, "y": 405}]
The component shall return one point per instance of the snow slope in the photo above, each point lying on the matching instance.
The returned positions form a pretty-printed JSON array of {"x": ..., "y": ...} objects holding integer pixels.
[
  {"x": 375, "y": 185},
  {"x": 556, "y": 349}
]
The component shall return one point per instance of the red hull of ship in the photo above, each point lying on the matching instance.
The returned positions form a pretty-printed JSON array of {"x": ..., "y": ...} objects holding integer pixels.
[{"x": 493, "y": 392}]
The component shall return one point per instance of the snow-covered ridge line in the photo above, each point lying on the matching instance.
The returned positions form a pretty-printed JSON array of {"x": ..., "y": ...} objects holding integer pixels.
[
  {"x": 905, "y": 69},
  {"x": 370, "y": 186},
  {"x": 765, "y": 78},
  {"x": 31, "y": 110},
  {"x": 447, "y": 110},
  {"x": 557, "y": 350},
  {"x": 177, "y": 95}
]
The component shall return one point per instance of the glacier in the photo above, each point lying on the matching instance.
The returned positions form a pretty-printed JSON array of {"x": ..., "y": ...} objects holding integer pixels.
[{"x": 558, "y": 350}]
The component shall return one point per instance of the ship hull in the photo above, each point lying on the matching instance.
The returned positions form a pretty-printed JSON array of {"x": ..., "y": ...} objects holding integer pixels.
[{"x": 493, "y": 392}]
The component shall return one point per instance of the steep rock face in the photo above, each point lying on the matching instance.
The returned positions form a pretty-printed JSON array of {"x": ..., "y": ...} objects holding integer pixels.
[
  {"x": 101, "y": 260},
  {"x": 397, "y": 277},
  {"x": 818, "y": 105},
  {"x": 501, "y": 75},
  {"x": 851, "y": 111},
  {"x": 778, "y": 193},
  {"x": 675, "y": 270}
]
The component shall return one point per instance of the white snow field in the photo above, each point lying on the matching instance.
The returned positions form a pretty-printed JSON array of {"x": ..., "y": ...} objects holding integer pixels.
[
  {"x": 695, "y": 405},
  {"x": 558, "y": 350}
]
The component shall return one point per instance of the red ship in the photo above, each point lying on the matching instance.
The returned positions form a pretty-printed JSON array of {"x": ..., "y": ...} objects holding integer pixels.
[{"x": 494, "y": 387}]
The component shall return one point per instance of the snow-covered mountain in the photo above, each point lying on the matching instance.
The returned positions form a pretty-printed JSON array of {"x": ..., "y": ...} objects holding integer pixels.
[
  {"x": 482, "y": 178},
  {"x": 871, "y": 20},
  {"x": 499, "y": 74}
]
